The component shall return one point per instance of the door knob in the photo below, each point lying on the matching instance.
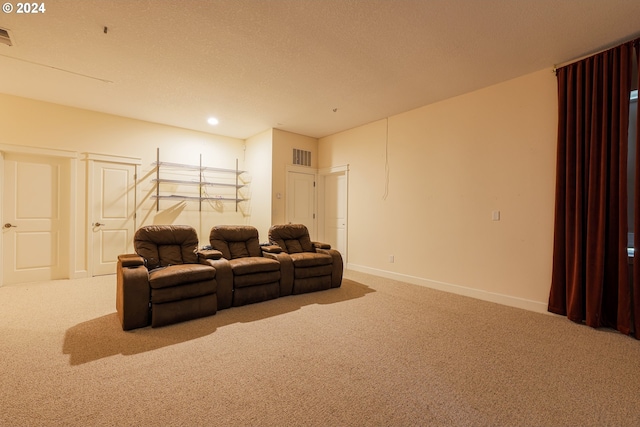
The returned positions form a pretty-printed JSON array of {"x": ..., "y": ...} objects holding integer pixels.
[
  {"x": 9, "y": 225},
  {"x": 97, "y": 224}
]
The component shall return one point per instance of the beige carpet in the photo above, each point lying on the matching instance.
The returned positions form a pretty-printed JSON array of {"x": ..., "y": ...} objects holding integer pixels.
[{"x": 373, "y": 353}]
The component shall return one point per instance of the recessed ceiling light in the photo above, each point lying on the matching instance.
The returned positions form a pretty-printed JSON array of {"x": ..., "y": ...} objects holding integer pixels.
[{"x": 212, "y": 121}]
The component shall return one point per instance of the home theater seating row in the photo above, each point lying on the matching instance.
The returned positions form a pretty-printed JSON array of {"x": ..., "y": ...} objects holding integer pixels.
[{"x": 170, "y": 280}]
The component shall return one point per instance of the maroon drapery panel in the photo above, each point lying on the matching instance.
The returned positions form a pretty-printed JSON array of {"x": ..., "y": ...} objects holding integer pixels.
[
  {"x": 590, "y": 265},
  {"x": 635, "y": 303}
]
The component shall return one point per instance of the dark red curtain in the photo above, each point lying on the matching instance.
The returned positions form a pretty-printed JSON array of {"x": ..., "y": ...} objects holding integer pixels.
[
  {"x": 590, "y": 264},
  {"x": 635, "y": 289}
]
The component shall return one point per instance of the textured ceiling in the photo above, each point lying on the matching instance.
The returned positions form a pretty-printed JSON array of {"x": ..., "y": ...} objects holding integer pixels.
[{"x": 288, "y": 64}]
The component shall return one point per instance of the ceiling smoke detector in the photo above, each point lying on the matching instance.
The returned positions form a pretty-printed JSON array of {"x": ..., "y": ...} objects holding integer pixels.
[{"x": 5, "y": 37}]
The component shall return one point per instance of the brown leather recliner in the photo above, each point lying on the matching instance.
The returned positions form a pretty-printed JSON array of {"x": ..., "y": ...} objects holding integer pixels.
[
  {"x": 244, "y": 275},
  {"x": 166, "y": 281},
  {"x": 306, "y": 266}
]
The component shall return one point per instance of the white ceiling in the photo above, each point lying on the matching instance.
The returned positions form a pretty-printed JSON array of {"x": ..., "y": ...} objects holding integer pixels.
[{"x": 288, "y": 64}]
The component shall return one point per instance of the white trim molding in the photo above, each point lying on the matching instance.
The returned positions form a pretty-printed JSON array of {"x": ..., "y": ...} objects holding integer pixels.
[
  {"x": 333, "y": 169},
  {"x": 72, "y": 157},
  {"x": 113, "y": 159},
  {"x": 51, "y": 152}
]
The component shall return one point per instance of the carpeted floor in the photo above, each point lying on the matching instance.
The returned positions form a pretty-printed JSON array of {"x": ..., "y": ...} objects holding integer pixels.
[{"x": 375, "y": 352}]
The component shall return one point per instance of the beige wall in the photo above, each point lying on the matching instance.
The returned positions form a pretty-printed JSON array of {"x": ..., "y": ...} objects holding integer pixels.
[
  {"x": 425, "y": 195},
  {"x": 259, "y": 164},
  {"x": 269, "y": 155},
  {"x": 450, "y": 165},
  {"x": 283, "y": 145},
  {"x": 25, "y": 122},
  {"x": 265, "y": 157}
]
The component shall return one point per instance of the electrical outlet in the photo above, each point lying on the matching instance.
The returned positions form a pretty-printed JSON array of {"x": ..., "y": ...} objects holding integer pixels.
[{"x": 391, "y": 259}]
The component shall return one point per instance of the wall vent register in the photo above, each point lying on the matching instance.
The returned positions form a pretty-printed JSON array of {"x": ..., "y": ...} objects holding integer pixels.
[
  {"x": 301, "y": 157},
  {"x": 5, "y": 38}
]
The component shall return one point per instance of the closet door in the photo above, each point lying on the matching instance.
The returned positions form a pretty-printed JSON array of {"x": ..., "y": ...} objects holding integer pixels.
[
  {"x": 35, "y": 218},
  {"x": 333, "y": 219},
  {"x": 301, "y": 200},
  {"x": 112, "y": 210}
]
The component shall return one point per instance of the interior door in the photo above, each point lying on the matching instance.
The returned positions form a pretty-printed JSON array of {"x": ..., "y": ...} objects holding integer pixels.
[
  {"x": 334, "y": 218},
  {"x": 112, "y": 213},
  {"x": 301, "y": 200},
  {"x": 35, "y": 218}
]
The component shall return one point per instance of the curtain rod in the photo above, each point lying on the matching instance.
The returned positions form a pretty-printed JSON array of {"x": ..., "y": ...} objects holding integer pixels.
[{"x": 572, "y": 61}]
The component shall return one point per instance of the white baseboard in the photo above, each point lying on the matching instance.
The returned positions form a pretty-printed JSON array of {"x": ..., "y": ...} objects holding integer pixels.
[
  {"x": 508, "y": 300},
  {"x": 79, "y": 274}
]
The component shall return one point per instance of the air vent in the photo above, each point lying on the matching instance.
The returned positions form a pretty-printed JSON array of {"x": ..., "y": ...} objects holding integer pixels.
[
  {"x": 5, "y": 38},
  {"x": 301, "y": 157}
]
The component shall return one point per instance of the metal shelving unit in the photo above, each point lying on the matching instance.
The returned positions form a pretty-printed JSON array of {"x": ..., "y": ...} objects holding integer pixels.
[{"x": 201, "y": 182}]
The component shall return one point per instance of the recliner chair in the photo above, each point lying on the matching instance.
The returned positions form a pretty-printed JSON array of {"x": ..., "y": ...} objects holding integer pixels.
[
  {"x": 311, "y": 266},
  {"x": 244, "y": 275},
  {"x": 166, "y": 281}
]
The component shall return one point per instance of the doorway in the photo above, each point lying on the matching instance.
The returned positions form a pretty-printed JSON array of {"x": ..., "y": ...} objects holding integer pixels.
[
  {"x": 36, "y": 214},
  {"x": 333, "y": 202},
  {"x": 112, "y": 211},
  {"x": 301, "y": 199},
  {"x": 330, "y": 225}
]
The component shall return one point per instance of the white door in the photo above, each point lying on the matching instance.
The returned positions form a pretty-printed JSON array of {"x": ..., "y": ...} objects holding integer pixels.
[
  {"x": 35, "y": 218},
  {"x": 334, "y": 211},
  {"x": 301, "y": 200},
  {"x": 112, "y": 211}
]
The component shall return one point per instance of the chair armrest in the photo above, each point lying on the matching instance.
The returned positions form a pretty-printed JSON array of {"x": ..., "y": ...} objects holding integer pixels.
[
  {"x": 337, "y": 266},
  {"x": 320, "y": 245},
  {"x": 209, "y": 254},
  {"x": 132, "y": 292},
  {"x": 130, "y": 260},
  {"x": 272, "y": 249},
  {"x": 286, "y": 271},
  {"x": 224, "y": 279}
]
